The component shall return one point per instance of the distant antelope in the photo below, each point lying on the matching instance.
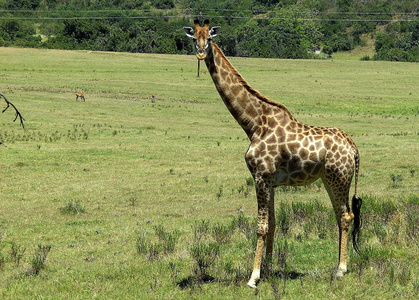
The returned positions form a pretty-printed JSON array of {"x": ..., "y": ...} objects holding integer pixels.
[{"x": 81, "y": 96}]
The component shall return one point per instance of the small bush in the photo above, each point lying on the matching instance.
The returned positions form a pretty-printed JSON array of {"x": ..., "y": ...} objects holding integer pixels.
[
  {"x": 16, "y": 253},
  {"x": 166, "y": 243},
  {"x": 283, "y": 219},
  {"x": 38, "y": 262},
  {"x": 285, "y": 256},
  {"x": 204, "y": 255},
  {"x": 222, "y": 233},
  {"x": 395, "y": 179},
  {"x": 412, "y": 223},
  {"x": 141, "y": 244},
  {"x": 72, "y": 207},
  {"x": 200, "y": 230}
]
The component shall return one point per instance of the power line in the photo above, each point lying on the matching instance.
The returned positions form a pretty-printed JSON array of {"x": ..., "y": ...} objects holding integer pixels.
[{"x": 187, "y": 13}]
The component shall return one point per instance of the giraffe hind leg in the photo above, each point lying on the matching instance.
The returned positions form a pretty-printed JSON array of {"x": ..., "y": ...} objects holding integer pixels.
[{"x": 339, "y": 195}]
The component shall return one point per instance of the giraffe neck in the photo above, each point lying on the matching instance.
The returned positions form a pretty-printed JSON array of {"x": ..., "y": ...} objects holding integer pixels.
[{"x": 250, "y": 109}]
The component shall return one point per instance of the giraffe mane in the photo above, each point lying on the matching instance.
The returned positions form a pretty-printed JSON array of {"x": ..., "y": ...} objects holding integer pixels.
[{"x": 251, "y": 90}]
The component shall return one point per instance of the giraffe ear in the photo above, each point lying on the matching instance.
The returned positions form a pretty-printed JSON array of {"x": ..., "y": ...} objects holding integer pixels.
[
  {"x": 214, "y": 31},
  {"x": 189, "y": 31}
]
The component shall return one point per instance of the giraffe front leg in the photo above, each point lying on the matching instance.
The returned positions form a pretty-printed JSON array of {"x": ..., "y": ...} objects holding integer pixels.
[
  {"x": 264, "y": 220},
  {"x": 255, "y": 277}
]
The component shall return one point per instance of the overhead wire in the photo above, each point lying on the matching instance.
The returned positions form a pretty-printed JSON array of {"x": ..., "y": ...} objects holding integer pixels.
[{"x": 186, "y": 13}]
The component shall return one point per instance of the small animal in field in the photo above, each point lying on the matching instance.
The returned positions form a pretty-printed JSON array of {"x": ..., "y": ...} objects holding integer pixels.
[{"x": 81, "y": 96}]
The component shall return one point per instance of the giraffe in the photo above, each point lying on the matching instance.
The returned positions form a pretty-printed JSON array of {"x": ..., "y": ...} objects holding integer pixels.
[
  {"x": 283, "y": 151},
  {"x": 81, "y": 96}
]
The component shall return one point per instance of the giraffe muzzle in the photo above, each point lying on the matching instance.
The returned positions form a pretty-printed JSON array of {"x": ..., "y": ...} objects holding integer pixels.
[{"x": 201, "y": 54}]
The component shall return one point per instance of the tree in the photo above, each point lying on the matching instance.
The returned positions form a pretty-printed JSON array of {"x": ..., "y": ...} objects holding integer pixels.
[{"x": 290, "y": 32}]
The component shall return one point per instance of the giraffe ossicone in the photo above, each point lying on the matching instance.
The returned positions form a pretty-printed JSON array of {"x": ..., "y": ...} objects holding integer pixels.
[{"x": 283, "y": 151}]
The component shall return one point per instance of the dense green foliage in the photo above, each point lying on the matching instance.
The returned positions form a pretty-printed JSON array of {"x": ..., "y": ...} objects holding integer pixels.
[{"x": 251, "y": 28}]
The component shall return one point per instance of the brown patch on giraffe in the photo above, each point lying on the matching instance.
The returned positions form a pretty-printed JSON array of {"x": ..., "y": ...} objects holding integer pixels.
[
  {"x": 328, "y": 142},
  {"x": 224, "y": 74},
  {"x": 251, "y": 112},
  {"x": 291, "y": 137},
  {"x": 301, "y": 128},
  {"x": 294, "y": 164},
  {"x": 285, "y": 154},
  {"x": 290, "y": 127},
  {"x": 293, "y": 147},
  {"x": 337, "y": 155},
  {"x": 271, "y": 140},
  {"x": 261, "y": 167},
  {"x": 318, "y": 144},
  {"x": 228, "y": 80},
  {"x": 217, "y": 60},
  {"x": 313, "y": 156},
  {"x": 272, "y": 122},
  {"x": 303, "y": 153},
  {"x": 262, "y": 146},
  {"x": 264, "y": 119},
  {"x": 236, "y": 89}
]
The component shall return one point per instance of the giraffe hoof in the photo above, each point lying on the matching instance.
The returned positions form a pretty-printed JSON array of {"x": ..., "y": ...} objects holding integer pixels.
[
  {"x": 339, "y": 273},
  {"x": 251, "y": 284}
]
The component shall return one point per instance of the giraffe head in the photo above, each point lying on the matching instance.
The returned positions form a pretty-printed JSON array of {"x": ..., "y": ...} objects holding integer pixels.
[{"x": 201, "y": 37}]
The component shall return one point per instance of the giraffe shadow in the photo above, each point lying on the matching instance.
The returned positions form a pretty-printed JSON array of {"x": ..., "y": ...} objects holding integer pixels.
[
  {"x": 193, "y": 281},
  {"x": 292, "y": 275}
]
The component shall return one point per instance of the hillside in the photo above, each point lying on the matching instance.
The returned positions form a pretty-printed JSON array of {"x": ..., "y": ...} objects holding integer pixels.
[{"x": 250, "y": 28}]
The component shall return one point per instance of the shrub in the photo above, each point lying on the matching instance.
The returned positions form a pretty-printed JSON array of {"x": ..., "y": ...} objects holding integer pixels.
[
  {"x": 204, "y": 255},
  {"x": 222, "y": 233},
  {"x": 72, "y": 207},
  {"x": 38, "y": 262}
]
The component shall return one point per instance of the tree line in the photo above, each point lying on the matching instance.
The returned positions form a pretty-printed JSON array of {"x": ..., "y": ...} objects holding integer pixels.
[{"x": 250, "y": 28}]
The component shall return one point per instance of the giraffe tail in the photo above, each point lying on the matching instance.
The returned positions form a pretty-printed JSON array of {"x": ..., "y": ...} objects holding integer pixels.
[
  {"x": 356, "y": 230},
  {"x": 356, "y": 208}
]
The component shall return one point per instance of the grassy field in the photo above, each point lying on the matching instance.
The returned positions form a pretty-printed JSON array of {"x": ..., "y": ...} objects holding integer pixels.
[{"x": 134, "y": 196}]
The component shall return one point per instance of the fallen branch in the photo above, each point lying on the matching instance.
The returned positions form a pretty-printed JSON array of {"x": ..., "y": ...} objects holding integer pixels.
[{"x": 17, "y": 113}]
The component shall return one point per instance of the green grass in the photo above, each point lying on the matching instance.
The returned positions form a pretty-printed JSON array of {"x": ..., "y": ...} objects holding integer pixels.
[{"x": 120, "y": 188}]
